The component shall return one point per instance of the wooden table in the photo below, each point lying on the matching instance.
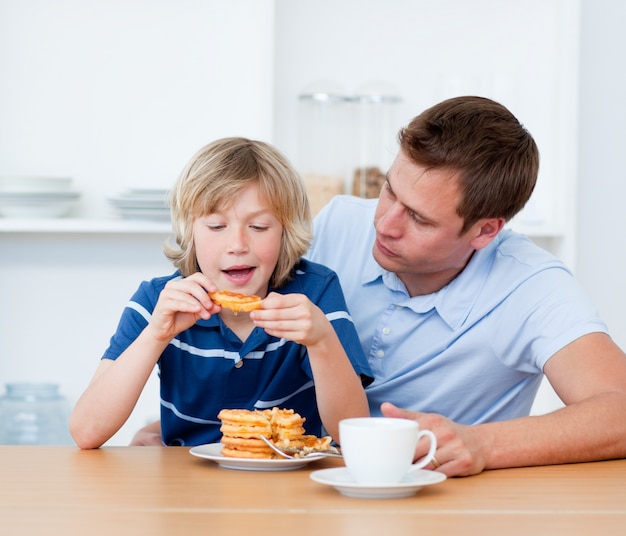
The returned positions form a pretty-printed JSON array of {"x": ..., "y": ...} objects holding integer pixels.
[{"x": 166, "y": 490}]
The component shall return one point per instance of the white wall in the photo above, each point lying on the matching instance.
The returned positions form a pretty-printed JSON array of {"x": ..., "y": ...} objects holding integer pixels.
[
  {"x": 62, "y": 296},
  {"x": 121, "y": 93},
  {"x": 601, "y": 216},
  {"x": 524, "y": 54}
]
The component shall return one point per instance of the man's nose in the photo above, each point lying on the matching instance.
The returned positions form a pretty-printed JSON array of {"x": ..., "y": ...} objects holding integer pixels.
[{"x": 391, "y": 220}]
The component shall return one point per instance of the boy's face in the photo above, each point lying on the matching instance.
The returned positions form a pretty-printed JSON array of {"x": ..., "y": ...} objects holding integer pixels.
[{"x": 238, "y": 246}]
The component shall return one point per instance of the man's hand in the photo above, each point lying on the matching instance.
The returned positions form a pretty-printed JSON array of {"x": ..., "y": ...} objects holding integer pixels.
[{"x": 459, "y": 447}]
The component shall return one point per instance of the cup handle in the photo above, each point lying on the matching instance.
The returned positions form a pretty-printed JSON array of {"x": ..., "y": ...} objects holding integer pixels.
[{"x": 431, "y": 451}]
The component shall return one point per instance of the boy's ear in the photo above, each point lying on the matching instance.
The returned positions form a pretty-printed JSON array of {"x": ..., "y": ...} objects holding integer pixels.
[{"x": 485, "y": 231}]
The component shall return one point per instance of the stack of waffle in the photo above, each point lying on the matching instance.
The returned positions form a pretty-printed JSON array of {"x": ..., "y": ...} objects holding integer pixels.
[{"x": 242, "y": 428}]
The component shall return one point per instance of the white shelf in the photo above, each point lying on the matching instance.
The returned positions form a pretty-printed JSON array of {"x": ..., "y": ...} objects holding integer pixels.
[{"x": 82, "y": 225}]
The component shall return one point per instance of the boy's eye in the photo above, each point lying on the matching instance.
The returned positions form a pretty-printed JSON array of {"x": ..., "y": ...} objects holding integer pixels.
[{"x": 259, "y": 227}]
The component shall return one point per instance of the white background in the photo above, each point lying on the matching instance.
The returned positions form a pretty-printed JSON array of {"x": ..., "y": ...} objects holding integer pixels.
[{"x": 120, "y": 94}]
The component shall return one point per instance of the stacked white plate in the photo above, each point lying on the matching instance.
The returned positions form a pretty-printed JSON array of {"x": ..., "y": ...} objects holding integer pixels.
[
  {"x": 36, "y": 197},
  {"x": 142, "y": 203}
]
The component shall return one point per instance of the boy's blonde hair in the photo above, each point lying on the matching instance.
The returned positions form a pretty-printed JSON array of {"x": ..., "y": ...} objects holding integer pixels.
[{"x": 212, "y": 180}]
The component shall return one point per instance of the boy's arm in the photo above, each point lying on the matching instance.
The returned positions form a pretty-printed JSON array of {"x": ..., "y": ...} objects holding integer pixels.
[{"x": 338, "y": 387}]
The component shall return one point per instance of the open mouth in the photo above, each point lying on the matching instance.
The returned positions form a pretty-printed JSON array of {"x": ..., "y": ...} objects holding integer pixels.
[{"x": 238, "y": 273}]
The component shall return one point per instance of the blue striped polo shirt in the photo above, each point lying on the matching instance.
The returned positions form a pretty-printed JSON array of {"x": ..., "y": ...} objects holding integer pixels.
[{"x": 207, "y": 367}]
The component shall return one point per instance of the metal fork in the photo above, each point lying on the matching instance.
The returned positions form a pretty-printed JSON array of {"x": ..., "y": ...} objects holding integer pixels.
[{"x": 291, "y": 457}]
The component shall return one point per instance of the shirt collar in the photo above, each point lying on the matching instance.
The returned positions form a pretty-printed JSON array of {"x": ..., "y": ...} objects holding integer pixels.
[
  {"x": 371, "y": 270},
  {"x": 453, "y": 302}
]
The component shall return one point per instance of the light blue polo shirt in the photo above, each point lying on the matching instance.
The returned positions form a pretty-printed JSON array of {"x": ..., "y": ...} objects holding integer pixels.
[
  {"x": 473, "y": 351},
  {"x": 207, "y": 367}
]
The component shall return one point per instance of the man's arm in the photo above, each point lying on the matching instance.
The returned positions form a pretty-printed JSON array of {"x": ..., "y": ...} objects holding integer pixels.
[
  {"x": 148, "y": 436},
  {"x": 589, "y": 375}
]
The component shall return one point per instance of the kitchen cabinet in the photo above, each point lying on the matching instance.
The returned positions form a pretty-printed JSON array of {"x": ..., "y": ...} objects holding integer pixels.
[{"x": 64, "y": 284}]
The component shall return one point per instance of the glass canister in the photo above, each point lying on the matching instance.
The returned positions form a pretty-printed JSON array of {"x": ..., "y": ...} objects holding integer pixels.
[
  {"x": 323, "y": 141},
  {"x": 375, "y": 109},
  {"x": 34, "y": 414}
]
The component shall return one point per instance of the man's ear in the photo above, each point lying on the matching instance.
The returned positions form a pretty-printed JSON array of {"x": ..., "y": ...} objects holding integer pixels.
[{"x": 485, "y": 231}]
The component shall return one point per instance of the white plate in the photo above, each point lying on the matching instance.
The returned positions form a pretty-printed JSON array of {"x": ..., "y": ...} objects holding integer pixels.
[
  {"x": 340, "y": 479},
  {"x": 37, "y": 204},
  {"x": 161, "y": 214},
  {"x": 35, "y": 184},
  {"x": 146, "y": 192},
  {"x": 38, "y": 196},
  {"x": 127, "y": 202},
  {"x": 213, "y": 451}
]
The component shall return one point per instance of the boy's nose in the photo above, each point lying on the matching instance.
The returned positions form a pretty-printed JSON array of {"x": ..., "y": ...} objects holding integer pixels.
[{"x": 238, "y": 243}]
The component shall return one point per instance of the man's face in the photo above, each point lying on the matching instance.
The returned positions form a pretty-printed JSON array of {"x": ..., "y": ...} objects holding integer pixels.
[{"x": 417, "y": 227}]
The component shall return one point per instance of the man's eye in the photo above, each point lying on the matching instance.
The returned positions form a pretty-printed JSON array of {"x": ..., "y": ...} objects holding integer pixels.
[{"x": 416, "y": 218}]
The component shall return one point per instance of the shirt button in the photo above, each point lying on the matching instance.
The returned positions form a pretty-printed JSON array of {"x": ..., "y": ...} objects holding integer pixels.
[
  {"x": 239, "y": 364},
  {"x": 386, "y": 331},
  {"x": 380, "y": 354}
]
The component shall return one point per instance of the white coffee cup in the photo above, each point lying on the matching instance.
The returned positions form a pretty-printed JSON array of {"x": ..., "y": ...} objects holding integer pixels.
[{"x": 379, "y": 450}]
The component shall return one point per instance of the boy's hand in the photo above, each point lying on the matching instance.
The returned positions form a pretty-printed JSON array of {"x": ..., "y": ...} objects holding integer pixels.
[
  {"x": 293, "y": 317},
  {"x": 181, "y": 304}
]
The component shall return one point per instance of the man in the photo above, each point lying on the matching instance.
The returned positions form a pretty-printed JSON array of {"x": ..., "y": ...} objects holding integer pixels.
[{"x": 461, "y": 318}]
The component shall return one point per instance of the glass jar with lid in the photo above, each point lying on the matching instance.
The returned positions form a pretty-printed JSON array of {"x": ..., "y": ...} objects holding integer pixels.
[
  {"x": 323, "y": 141},
  {"x": 34, "y": 414},
  {"x": 375, "y": 110}
]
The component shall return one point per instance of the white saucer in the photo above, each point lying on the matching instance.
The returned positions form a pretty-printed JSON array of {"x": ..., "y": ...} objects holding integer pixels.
[
  {"x": 213, "y": 451},
  {"x": 340, "y": 479}
]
